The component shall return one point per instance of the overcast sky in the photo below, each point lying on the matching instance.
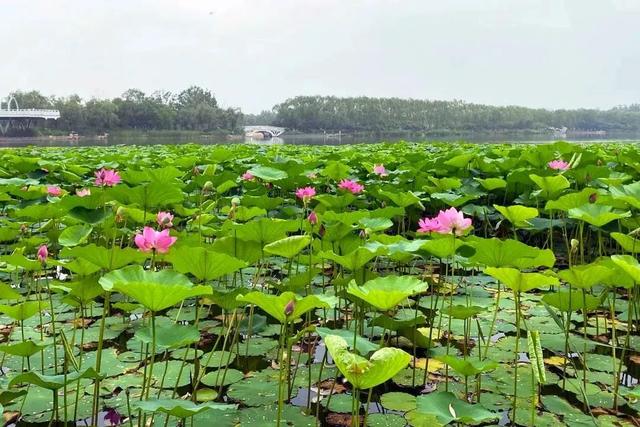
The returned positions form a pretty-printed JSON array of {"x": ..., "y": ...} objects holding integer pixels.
[{"x": 255, "y": 53}]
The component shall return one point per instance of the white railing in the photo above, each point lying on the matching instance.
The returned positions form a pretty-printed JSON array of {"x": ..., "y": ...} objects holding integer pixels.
[{"x": 30, "y": 112}]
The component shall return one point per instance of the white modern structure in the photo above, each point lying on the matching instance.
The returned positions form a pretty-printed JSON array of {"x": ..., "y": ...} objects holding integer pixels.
[{"x": 12, "y": 114}]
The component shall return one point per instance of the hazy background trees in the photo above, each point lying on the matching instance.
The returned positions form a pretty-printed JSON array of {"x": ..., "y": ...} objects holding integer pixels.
[{"x": 196, "y": 109}]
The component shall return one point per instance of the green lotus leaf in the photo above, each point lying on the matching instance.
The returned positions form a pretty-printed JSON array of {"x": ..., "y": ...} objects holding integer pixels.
[
  {"x": 335, "y": 170},
  {"x": 550, "y": 186},
  {"x": 203, "y": 264},
  {"x": 597, "y": 215},
  {"x": 275, "y": 305},
  {"x": 170, "y": 336},
  {"x": 402, "y": 199},
  {"x": 510, "y": 253},
  {"x": 585, "y": 276},
  {"x": 518, "y": 281},
  {"x": 21, "y": 311},
  {"x": 264, "y": 230},
  {"x": 17, "y": 259},
  {"x": 180, "y": 408},
  {"x": 572, "y": 200},
  {"x": 156, "y": 290},
  {"x": 491, "y": 184},
  {"x": 288, "y": 247},
  {"x": 362, "y": 373},
  {"x": 574, "y": 300},
  {"x": 24, "y": 349},
  {"x": 374, "y": 225},
  {"x": 517, "y": 215},
  {"x": 7, "y": 292},
  {"x": 52, "y": 382},
  {"x": 448, "y": 408},
  {"x": 149, "y": 196},
  {"x": 105, "y": 258},
  {"x": 464, "y": 312},
  {"x": 335, "y": 202},
  {"x": 79, "y": 266},
  {"x": 467, "y": 367},
  {"x": 362, "y": 345},
  {"x": 353, "y": 260},
  {"x": 629, "y": 194},
  {"x": 627, "y": 263},
  {"x": 627, "y": 242},
  {"x": 443, "y": 246},
  {"x": 267, "y": 173},
  {"x": 82, "y": 291},
  {"x": 75, "y": 235},
  {"x": 385, "y": 293}
]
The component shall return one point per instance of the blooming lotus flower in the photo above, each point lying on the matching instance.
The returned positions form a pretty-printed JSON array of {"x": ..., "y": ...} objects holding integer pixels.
[
  {"x": 248, "y": 176},
  {"x": 151, "y": 239},
  {"x": 165, "y": 219},
  {"x": 558, "y": 165},
  {"x": 379, "y": 170},
  {"x": 453, "y": 221},
  {"x": 107, "y": 178},
  {"x": 352, "y": 186},
  {"x": 428, "y": 225},
  {"x": 43, "y": 253},
  {"x": 305, "y": 194},
  {"x": 312, "y": 218},
  {"x": 83, "y": 192},
  {"x": 54, "y": 190}
]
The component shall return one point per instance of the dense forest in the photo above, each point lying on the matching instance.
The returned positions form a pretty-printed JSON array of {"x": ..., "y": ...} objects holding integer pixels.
[
  {"x": 196, "y": 109},
  {"x": 328, "y": 113},
  {"x": 193, "y": 109}
]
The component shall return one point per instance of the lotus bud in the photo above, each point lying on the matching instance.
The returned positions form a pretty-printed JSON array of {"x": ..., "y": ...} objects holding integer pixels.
[
  {"x": 43, "y": 253},
  {"x": 574, "y": 245},
  {"x": 120, "y": 214},
  {"x": 208, "y": 187},
  {"x": 288, "y": 309},
  {"x": 363, "y": 234},
  {"x": 312, "y": 218},
  {"x": 24, "y": 229},
  {"x": 195, "y": 171},
  {"x": 235, "y": 201},
  {"x": 593, "y": 197}
]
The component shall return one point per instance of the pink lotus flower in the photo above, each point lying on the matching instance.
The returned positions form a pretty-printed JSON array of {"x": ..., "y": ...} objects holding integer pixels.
[
  {"x": 305, "y": 194},
  {"x": 54, "y": 190},
  {"x": 428, "y": 225},
  {"x": 43, "y": 253},
  {"x": 446, "y": 222},
  {"x": 83, "y": 192},
  {"x": 151, "y": 239},
  {"x": 558, "y": 165},
  {"x": 107, "y": 178},
  {"x": 453, "y": 221},
  {"x": 380, "y": 170},
  {"x": 352, "y": 186},
  {"x": 165, "y": 219},
  {"x": 248, "y": 176},
  {"x": 312, "y": 218}
]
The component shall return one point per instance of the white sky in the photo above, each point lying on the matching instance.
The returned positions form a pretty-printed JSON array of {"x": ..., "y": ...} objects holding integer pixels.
[{"x": 255, "y": 53}]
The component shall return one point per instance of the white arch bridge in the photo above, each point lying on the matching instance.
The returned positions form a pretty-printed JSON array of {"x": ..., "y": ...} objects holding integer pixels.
[
  {"x": 264, "y": 131},
  {"x": 22, "y": 118}
]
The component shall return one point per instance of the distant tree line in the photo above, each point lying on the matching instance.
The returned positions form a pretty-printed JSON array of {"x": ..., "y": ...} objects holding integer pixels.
[
  {"x": 193, "y": 109},
  {"x": 196, "y": 109},
  {"x": 329, "y": 113}
]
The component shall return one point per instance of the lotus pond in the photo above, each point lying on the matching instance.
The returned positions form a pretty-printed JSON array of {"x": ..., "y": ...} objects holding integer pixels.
[{"x": 378, "y": 285}]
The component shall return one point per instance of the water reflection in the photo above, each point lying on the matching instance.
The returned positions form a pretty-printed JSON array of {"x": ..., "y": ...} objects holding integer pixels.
[{"x": 302, "y": 139}]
